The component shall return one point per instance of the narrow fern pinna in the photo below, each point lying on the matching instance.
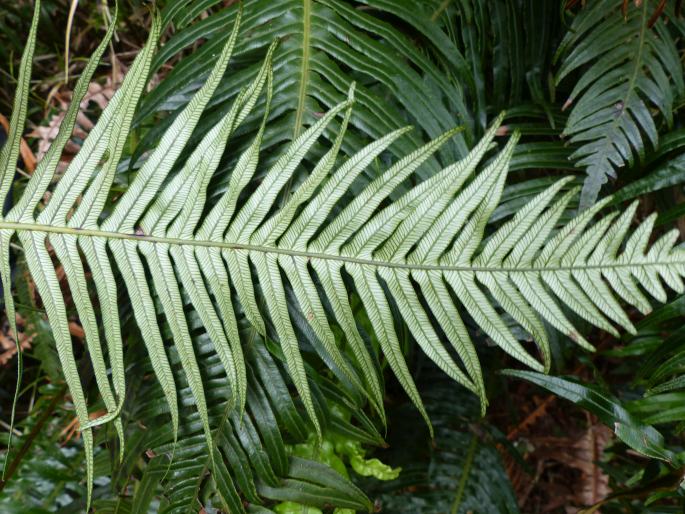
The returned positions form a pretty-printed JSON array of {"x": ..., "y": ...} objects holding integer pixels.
[{"x": 421, "y": 247}]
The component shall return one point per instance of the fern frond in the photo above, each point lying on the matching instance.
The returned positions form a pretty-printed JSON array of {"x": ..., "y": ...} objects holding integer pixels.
[
  {"x": 251, "y": 459},
  {"x": 8, "y": 159},
  {"x": 448, "y": 476},
  {"x": 630, "y": 69},
  {"x": 325, "y": 45},
  {"x": 422, "y": 248}
]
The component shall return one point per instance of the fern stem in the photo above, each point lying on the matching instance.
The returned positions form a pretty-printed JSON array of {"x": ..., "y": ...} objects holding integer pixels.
[
  {"x": 468, "y": 463},
  {"x": 224, "y": 245},
  {"x": 304, "y": 69}
]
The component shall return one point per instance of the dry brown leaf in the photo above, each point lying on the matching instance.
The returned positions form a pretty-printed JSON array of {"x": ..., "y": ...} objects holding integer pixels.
[
  {"x": 27, "y": 155},
  {"x": 9, "y": 349},
  {"x": 47, "y": 134},
  {"x": 7, "y": 344},
  {"x": 98, "y": 94},
  {"x": 73, "y": 428},
  {"x": 76, "y": 330},
  {"x": 502, "y": 130},
  {"x": 589, "y": 450},
  {"x": 540, "y": 410},
  {"x": 581, "y": 453}
]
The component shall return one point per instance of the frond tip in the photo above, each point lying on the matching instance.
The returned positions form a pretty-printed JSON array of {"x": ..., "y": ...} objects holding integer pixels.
[{"x": 423, "y": 250}]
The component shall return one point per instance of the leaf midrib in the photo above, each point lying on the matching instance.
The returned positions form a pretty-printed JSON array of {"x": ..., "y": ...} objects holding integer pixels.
[
  {"x": 304, "y": 68},
  {"x": 631, "y": 82},
  {"x": 226, "y": 245}
]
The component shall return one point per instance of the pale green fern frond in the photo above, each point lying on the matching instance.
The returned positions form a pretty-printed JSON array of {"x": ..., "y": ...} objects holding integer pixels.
[{"x": 422, "y": 248}]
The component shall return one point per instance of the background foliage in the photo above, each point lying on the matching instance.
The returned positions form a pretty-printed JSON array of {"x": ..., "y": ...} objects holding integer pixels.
[{"x": 596, "y": 91}]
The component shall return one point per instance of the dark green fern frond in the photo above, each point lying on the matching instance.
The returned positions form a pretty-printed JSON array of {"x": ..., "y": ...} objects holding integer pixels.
[
  {"x": 630, "y": 70},
  {"x": 252, "y": 465}
]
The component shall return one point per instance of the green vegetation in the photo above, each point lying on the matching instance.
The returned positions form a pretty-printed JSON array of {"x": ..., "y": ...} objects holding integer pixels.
[{"x": 326, "y": 255}]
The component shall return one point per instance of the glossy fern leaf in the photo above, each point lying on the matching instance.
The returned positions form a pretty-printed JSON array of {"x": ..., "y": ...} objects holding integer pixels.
[
  {"x": 629, "y": 70},
  {"x": 421, "y": 251}
]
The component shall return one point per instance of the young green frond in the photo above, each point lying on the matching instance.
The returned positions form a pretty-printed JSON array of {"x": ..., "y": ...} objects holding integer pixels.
[{"x": 420, "y": 249}]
